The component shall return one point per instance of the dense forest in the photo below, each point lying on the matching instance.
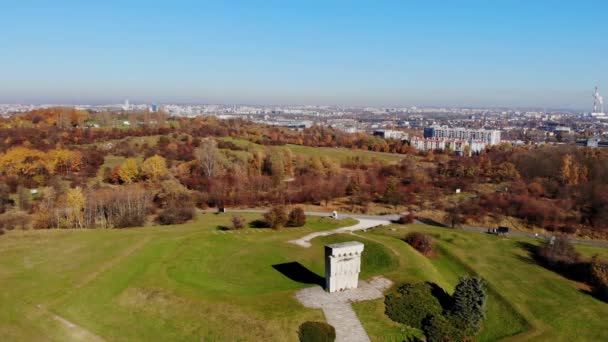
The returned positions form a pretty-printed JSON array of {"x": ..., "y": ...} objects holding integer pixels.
[{"x": 70, "y": 168}]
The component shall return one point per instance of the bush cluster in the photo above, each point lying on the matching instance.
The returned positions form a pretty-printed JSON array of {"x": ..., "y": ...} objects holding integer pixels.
[
  {"x": 316, "y": 332},
  {"x": 238, "y": 222},
  {"x": 598, "y": 277},
  {"x": 296, "y": 218},
  {"x": 13, "y": 220},
  {"x": 422, "y": 242},
  {"x": 442, "y": 318},
  {"x": 175, "y": 215},
  {"x": 277, "y": 217},
  {"x": 411, "y": 303}
]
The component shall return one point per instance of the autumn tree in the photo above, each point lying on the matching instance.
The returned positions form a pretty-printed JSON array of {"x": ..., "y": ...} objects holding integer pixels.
[
  {"x": 23, "y": 162},
  {"x": 124, "y": 206},
  {"x": 63, "y": 161},
  {"x": 128, "y": 171},
  {"x": 75, "y": 203},
  {"x": 391, "y": 193},
  {"x": 571, "y": 173},
  {"x": 505, "y": 172},
  {"x": 274, "y": 166},
  {"x": 154, "y": 168}
]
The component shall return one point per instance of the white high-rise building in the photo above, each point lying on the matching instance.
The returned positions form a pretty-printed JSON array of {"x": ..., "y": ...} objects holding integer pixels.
[{"x": 489, "y": 137}]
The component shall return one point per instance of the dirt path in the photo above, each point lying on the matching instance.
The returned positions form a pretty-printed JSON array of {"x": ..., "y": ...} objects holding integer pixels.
[
  {"x": 113, "y": 262},
  {"x": 71, "y": 330}
]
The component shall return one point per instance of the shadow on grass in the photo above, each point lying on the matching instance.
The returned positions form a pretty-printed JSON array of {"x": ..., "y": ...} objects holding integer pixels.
[
  {"x": 258, "y": 224},
  {"x": 297, "y": 272},
  {"x": 576, "y": 270},
  {"x": 443, "y": 297},
  {"x": 531, "y": 249},
  {"x": 430, "y": 222}
]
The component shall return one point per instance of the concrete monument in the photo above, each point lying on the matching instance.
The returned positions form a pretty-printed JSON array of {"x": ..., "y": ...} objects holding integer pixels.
[{"x": 342, "y": 265}]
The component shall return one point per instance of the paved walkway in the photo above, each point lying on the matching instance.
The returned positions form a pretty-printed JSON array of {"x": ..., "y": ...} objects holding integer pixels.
[
  {"x": 362, "y": 225},
  {"x": 337, "y": 309}
]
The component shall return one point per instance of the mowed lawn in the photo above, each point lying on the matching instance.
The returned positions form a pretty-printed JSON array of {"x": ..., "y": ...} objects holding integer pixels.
[
  {"x": 525, "y": 300},
  {"x": 187, "y": 282},
  {"x": 196, "y": 282}
]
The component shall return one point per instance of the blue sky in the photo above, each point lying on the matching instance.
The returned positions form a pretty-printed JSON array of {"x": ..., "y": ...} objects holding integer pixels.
[{"x": 478, "y": 53}]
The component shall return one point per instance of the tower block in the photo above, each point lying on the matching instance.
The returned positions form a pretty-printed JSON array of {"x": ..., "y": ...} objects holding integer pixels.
[{"x": 342, "y": 265}]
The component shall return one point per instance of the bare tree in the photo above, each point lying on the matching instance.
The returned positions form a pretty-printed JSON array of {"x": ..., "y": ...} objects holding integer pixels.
[{"x": 209, "y": 158}]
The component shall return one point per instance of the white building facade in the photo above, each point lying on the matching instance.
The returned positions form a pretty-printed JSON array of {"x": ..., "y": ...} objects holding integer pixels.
[
  {"x": 457, "y": 145},
  {"x": 342, "y": 265},
  {"x": 489, "y": 137}
]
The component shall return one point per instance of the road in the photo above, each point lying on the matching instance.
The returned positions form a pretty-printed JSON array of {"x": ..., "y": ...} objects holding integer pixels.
[{"x": 394, "y": 217}]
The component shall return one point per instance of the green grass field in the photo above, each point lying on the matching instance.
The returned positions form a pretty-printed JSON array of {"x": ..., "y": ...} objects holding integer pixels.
[
  {"x": 196, "y": 282},
  {"x": 338, "y": 154}
]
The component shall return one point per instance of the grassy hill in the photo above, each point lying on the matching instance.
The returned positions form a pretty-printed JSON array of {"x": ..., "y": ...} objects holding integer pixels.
[
  {"x": 195, "y": 281},
  {"x": 339, "y": 154}
]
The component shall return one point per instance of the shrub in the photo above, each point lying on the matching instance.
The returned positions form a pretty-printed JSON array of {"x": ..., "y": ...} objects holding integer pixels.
[
  {"x": 598, "y": 274},
  {"x": 275, "y": 218},
  {"x": 316, "y": 332},
  {"x": 437, "y": 328},
  {"x": 422, "y": 242},
  {"x": 13, "y": 220},
  {"x": 411, "y": 303},
  {"x": 175, "y": 215},
  {"x": 44, "y": 220},
  {"x": 296, "y": 218},
  {"x": 406, "y": 219},
  {"x": 238, "y": 222}
]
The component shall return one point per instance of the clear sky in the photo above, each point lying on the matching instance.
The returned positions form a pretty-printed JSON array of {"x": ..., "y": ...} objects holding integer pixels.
[{"x": 465, "y": 53}]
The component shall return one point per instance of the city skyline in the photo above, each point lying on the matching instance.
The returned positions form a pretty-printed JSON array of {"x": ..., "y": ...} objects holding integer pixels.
[{"x": 470, "y": 53}]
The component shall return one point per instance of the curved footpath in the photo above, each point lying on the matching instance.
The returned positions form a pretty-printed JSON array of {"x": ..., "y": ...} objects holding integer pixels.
[
  {"x": 394, "y": 217},
  {"x": 362, "y": 225}
]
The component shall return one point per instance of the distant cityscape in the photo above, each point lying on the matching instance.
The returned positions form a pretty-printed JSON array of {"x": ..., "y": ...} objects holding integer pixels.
[{"x": 463, "y": 130}]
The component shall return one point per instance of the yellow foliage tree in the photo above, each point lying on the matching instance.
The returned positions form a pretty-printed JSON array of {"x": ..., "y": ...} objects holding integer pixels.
[
  {"x": 154, "y": 168},
  {"x": 75, "y": 202},
  {"x": 570, "y": 172},
  {"x": 23, "y": 161},
  {"x": 128, "y": 171},
  {"x": 64, "y": 161}
]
